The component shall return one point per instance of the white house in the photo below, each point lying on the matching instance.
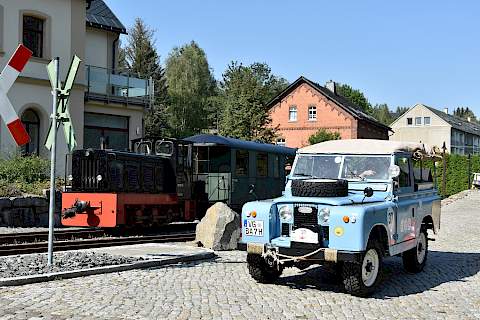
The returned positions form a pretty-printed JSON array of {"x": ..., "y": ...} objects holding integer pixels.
[
  {"x": 104, "y": 105},
  {"x": 434, "y": 127}
]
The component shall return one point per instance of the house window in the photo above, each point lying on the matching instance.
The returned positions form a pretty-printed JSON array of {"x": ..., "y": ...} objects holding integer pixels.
[
  {"x": 418, "y": 121},
  {"x": 31, "y": 121},
  {"x": 280, "y": 141},
  {"x": 262, "y": 164},
  {"x": 426, "y": 121},
  {"x": 292, "y": 114},
  {"x": 241, "y": 163},
  {"x": 312, "y": 113},
  {"x": 33, "y": 35},
  {"x": 109, "y": 129},
  {"x": 409, "y": 121}
]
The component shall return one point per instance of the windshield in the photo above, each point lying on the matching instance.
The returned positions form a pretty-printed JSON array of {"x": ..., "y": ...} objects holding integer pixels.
[{"x": 345, "y": 167}]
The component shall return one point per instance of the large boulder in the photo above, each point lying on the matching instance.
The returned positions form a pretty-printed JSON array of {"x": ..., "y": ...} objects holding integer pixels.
[{"x": 219, "y": 229}]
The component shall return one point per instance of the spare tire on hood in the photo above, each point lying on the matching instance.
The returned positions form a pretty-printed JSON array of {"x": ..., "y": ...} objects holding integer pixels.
[{"x": 320, "y": 188}]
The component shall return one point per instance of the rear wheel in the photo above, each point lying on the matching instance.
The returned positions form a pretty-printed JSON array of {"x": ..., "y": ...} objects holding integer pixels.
[
  {"x": 360, "y": 279},
  {"x": 261, "y": 271},
  {"x": 414, "y": 260}
]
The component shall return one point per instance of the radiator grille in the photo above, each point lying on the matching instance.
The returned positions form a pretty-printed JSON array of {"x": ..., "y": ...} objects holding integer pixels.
[
  {"x": 305, "y": 218},
  {"x": 89, "y": 170},
  {"x": 325, "y": 233},
  {"x": 285, "y": 229}
]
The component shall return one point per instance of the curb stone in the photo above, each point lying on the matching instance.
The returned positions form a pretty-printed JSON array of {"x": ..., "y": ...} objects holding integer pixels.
[{"x": 18, "y": 281}]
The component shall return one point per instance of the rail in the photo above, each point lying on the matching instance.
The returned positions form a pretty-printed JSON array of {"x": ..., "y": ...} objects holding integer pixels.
[{"x": 41, "y": 247}]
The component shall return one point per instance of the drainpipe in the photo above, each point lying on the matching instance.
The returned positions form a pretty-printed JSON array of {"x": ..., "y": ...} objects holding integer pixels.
[{"x": 114, "y": 51}]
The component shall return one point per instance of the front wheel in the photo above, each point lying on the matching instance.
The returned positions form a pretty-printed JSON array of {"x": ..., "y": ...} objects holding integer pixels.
[
  {"x": 414, "y": 260},
  {"x": 261, "y": 271},
  {"x": 360, "y": 279}
]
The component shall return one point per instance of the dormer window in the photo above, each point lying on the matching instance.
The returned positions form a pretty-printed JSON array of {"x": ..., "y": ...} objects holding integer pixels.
[{"x": 33, "y": 35}]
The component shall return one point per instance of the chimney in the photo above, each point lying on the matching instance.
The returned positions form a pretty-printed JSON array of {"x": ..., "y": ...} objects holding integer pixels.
[
  {"x": 330, "y": 85},
  {"x": 445, "y": 110},
  {"x": 469, "y": 119}
]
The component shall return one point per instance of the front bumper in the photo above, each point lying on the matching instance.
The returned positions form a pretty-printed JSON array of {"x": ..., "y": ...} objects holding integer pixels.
[{"x": 298, "y": 250}]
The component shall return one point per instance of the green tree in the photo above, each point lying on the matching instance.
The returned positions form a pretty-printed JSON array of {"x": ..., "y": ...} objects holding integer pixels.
[
  {"x": 355, "y": 96},
  {"x": 139, "y": 58},
  {"x": 382, "y": 113},
  {"x": 323, "y": 135},
  {"x": 245, "y": 92},
  {"x": 465, "y": 113},
  {"x": 190, "y": 86}
]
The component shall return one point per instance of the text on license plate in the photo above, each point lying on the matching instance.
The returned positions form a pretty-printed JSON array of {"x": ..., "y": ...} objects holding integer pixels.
[{"x": 253, "y": 228}]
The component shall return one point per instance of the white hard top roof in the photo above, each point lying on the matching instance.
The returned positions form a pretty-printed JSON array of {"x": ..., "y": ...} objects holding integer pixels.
[{"x": 365, "y": 146}]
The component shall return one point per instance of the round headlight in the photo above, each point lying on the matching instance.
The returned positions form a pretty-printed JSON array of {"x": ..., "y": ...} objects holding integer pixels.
[
  {"x": 70, "y": 177},
  {"x": 285, "y": 213},
  {"x": 99, "y": 178},
  {"x": 324, "y": 214}
]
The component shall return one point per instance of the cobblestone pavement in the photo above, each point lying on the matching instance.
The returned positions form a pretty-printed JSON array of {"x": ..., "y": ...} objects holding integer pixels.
[{"x": 449, "y": 288}]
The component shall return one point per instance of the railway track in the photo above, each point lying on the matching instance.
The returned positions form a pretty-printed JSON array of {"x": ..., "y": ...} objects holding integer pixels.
[
  {"x": 30, "y": 237},
  {"x": 40, "y": 247}
]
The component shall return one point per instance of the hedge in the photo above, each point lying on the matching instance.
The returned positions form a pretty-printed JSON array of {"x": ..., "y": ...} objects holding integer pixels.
[{"x": 457, "y": 173}]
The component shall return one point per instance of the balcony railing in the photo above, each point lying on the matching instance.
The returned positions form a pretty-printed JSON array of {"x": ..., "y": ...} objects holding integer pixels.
[{"x": 109, "y": 86}]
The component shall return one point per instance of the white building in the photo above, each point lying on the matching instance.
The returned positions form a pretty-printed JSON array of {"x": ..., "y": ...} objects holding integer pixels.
[
  {"x": 104, "y": 105},
  {"x": 434, "y": 127}
]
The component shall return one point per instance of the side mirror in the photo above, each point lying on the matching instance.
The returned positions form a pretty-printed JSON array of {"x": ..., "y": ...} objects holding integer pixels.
[
  {"x": 251, "y": 189},
  {"x": 287, "y": 177},
  {"x": 368, "y": 192}
]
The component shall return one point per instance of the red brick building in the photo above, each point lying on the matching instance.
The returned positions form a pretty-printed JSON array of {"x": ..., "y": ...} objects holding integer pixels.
[{"x": 305, "y": 107}]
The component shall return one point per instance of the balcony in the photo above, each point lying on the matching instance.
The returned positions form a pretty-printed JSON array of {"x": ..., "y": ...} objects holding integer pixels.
[{"x": 109, "y": 86}]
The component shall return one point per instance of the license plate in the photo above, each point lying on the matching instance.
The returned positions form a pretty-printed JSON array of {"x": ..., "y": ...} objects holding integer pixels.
[
  {"x": 304, "y": 235},
  {"x": 253, "y": 228}
]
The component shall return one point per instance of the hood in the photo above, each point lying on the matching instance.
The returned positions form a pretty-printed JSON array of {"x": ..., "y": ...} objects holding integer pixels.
[{"x": 351, "y": 199}]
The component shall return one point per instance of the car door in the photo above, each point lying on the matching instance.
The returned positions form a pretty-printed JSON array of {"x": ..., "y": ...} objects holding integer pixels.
[{"x": 406, "y": 203}]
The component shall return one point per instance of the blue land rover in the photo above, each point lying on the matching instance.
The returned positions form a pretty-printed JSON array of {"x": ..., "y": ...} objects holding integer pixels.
[{"x": 350, "y": 203}]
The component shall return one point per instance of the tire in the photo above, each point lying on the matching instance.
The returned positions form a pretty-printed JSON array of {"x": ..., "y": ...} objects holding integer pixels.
[
  {"x": 320, "y": 188},
  {"x": 414, "y": 260},
  {"x": 260, "y": 270},
  {"x": 354, "y": 281}
]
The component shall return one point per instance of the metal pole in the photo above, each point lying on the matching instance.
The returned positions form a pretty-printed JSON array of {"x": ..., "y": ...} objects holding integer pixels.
[
  {"x": 51, "y": 211},
  {"x": 469, "y": 168},
  {"x": 444, "y": 170}
]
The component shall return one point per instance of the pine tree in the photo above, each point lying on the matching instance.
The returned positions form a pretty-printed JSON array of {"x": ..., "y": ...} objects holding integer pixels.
[
  {"x": 246, "y": 90},
  {"x": 140, "y": 58}
]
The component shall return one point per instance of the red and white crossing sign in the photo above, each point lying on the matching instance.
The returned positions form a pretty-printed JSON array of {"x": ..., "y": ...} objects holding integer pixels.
[{"x": 8, "y": 76}]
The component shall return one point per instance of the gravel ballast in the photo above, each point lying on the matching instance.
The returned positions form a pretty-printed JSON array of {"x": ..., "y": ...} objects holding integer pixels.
[{"x": 34, "y": 264}]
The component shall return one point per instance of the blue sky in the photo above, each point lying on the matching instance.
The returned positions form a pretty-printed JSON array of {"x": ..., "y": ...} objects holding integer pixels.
[{"x": 396, "y": 52}]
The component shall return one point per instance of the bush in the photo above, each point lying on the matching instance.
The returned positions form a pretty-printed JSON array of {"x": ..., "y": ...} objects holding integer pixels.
[
  {"x": 457, "y": 173},
  {"x": 19, "y": 175},
  {"x": 323, "y": 135}
]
